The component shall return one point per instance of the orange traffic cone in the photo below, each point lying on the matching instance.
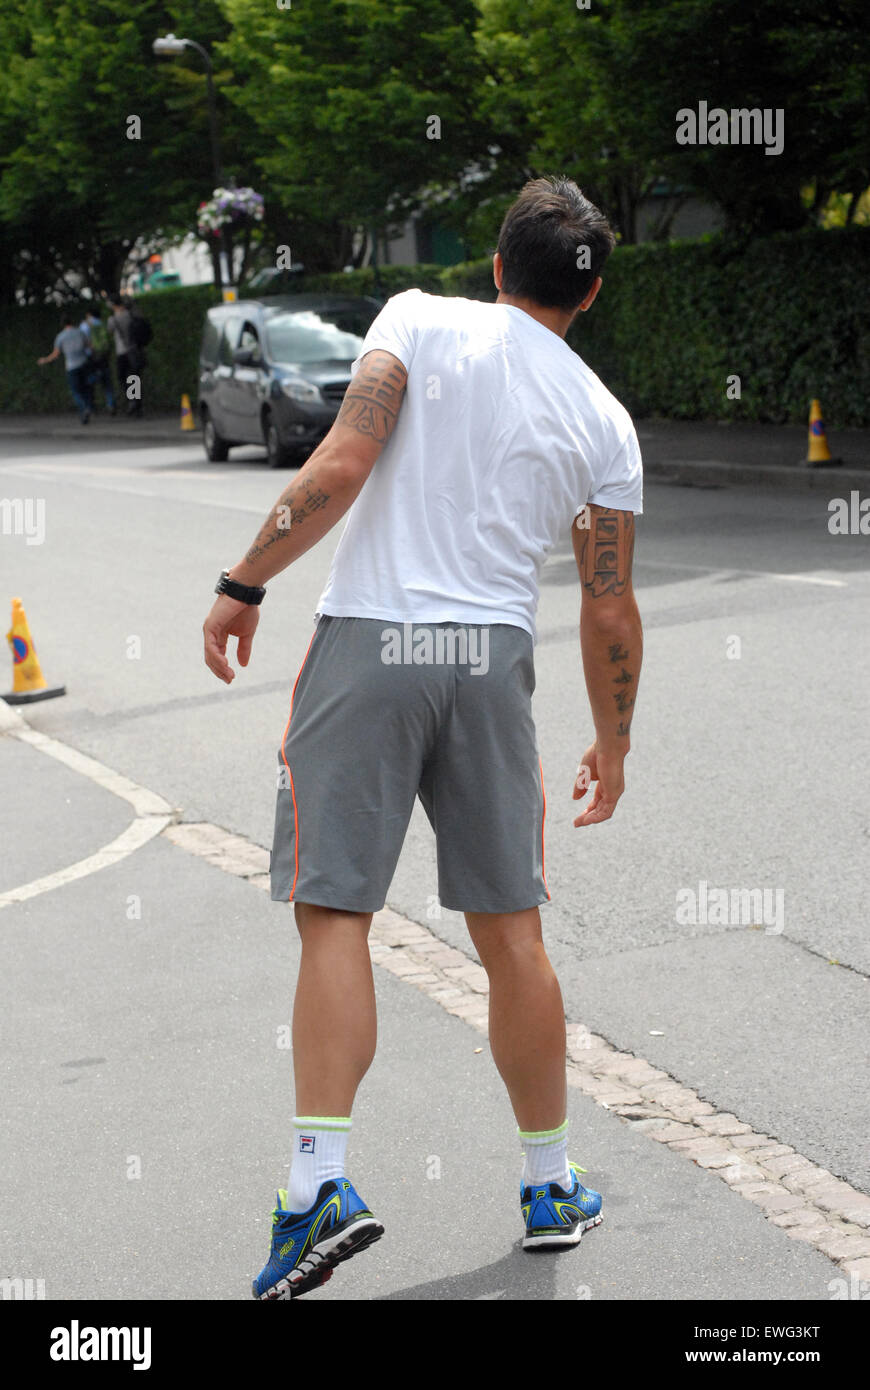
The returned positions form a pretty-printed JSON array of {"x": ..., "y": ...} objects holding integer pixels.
[
  {"x": 187, "y": 420},
  {"x": 28, "y": 682},
  {"x": 818, "y": 453}
]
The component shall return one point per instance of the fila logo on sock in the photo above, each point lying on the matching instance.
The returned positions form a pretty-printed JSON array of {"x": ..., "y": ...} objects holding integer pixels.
[{"x": 306, "y": 1143}]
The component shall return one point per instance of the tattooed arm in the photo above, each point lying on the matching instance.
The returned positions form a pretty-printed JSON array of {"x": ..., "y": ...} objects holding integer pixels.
[
  {"x": 331, "y": 480},
  {"x": 317, "y": 498},
  {"x": 611, "y": 642}
]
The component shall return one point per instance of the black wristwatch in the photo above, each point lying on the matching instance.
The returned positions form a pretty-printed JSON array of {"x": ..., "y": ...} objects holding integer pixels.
[{"x": 245, "y": 593}]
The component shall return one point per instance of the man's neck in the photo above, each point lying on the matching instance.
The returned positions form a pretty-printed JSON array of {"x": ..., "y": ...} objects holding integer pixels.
[{"x": 557, "y": 320}]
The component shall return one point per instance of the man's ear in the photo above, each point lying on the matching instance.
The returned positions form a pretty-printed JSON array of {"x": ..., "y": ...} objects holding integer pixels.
[
  {"x": 591, "y": 296},
  {"x": 497, "y": 270}
]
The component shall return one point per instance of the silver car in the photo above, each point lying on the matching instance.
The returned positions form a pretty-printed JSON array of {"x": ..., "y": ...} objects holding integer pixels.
[{"x": 274, "y": 371}]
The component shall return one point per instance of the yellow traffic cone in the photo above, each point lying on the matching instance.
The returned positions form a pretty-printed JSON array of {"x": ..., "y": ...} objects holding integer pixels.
[
  {"x": 818, "y": 453},
  {"x": 187, "y": 420},
  {"x": 28, "y": 682}
]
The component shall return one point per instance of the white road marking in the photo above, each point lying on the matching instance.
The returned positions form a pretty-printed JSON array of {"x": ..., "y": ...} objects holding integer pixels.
[
  {"x": 143, "y": 801},
  {"x": 162, "y": 471},
  {"x": 64, "y": 465},
  {"x": 152, "y": 494},
  {"x": 812, "y": 579},
  {"x": 153, "y": 814},
  {"x": 158, "y": 462},
  {"x": 10, "y": 718},
  {"x": 138, "y": 833},
  {"x": 724, "y": 573},
  {"x": 98, "y": 478}
]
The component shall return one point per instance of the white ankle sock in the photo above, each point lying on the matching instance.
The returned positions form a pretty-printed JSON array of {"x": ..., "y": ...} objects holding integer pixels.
[
  {"x": 320, "y": 1144},
  {"x": 546, "y": 1155}
]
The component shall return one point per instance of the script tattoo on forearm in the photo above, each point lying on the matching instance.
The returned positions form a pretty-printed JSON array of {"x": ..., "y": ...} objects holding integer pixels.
[
  {"x": 606, "y": 553},
  {"x": 618, "y": 655},
  {"x": 298, "y": 500},
  {"x": 307, "y": 499},
  {"x": 371, "y": 404}
]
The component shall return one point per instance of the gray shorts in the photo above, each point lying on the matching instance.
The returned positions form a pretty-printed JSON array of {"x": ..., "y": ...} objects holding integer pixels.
[{"x": 383, "y": 712}]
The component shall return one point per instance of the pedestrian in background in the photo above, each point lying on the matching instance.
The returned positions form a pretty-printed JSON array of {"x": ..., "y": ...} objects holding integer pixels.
[
  {"x": 72, "y": 342},
  {"x": 99, "y": 371},
  {"x": 128, "y": 356},
  {"x": 140, "y": 337}
]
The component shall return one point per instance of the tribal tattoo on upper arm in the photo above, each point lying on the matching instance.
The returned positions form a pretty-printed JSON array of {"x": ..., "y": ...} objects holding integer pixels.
[
  {"x": 373, "y": 399},
  {"x": 606, "y": 552}
]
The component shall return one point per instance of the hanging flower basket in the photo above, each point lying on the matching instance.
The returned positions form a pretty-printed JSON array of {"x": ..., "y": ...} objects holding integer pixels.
[{"x": 229, "y": 207}]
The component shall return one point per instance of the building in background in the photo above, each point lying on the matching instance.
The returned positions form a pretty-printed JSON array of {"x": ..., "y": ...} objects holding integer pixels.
[
  {"x": 424, "y": 240},
  {"x": 187, "y": 263}
]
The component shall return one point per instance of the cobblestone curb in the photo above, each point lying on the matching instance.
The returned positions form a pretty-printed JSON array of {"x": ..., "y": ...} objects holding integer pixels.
[{"x": 808, "y": 1202}]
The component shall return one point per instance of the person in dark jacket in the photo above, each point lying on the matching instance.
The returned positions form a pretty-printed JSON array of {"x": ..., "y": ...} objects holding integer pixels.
[{"x": 130, "y": 358}]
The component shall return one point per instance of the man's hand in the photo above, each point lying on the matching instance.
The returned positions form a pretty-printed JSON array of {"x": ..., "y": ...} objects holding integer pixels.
[
  {"x": 229, "y": 618},
  {"x": 320, "y": 494},
  {"x": 606, "y": 771}
]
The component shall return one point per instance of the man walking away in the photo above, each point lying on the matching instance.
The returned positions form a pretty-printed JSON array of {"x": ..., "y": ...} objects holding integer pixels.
[
  {"x": 120, "y": 326},
  {"x": 140, "y": 337},
  {"x": 99, "y": 372},
  {"x": 456, "y": 495},
  {"x": 72, "y": 342}
]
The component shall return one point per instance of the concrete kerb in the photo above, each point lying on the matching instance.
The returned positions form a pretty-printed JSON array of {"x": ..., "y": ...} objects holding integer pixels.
[{"x": 716, "y": 473}]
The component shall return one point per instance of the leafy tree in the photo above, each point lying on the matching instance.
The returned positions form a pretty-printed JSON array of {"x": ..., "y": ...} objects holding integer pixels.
[
  {"x": 808, "y": 61},
  {"x": 92, "y": 124},
  {"x": 553, "y": 107},
  {"x": 595, "y": 93},
  {"x": 342, "y": 93},
  {"x": 348, "y": 115}
]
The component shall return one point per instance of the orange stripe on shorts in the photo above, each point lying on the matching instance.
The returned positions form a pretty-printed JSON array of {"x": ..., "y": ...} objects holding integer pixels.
[
  {"x": 290, "y": 774},
  {"x": 543, "y": 818}
]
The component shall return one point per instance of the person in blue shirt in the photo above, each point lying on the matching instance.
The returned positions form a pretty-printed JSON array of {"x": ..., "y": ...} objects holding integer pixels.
[{"x": 72, "y": 342}]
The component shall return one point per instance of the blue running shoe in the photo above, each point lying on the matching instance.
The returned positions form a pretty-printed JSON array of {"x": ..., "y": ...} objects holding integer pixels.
[
  {"x": 306, "y": 1246},
  {"x": 556, "y": 1217}
]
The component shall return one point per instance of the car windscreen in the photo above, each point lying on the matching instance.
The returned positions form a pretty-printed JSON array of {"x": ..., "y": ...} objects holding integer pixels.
[
  {"x": 316, "y": 335},
  {"x": 211, "y": 336}
]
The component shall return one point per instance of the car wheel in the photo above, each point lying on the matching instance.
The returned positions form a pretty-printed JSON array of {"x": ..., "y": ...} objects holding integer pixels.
[
  {"x": 279, "y": 455},
  {"x": 216, "y": 448}
]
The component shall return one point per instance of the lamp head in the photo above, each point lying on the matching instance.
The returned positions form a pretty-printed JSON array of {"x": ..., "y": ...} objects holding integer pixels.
[{"x": 169, "y": 45}]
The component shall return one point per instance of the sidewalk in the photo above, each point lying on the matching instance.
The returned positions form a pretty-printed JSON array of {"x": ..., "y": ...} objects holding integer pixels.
[
  {"x": 692, "y": 452},
  {"x": 711, "y": 452},
  {"x": 165, "y": 428}
]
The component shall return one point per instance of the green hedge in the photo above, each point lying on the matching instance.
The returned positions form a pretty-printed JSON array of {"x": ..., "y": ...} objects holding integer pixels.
[
  {"x": 789, "y": 315},
  {"x": 391, "y": 279},
  {"x": 25, "y": 334}
]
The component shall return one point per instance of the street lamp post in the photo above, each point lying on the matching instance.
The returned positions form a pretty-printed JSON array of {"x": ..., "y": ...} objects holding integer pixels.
[{"x": 171, "y": 46}]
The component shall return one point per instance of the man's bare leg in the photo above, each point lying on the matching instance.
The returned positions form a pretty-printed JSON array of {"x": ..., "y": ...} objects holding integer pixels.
[
  {"x": 526, "y": 1015},
  {"x": 334, "y": 1016}
]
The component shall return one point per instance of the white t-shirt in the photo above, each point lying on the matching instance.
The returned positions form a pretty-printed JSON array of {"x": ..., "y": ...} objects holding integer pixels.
[{"x": 503, "y": 436}]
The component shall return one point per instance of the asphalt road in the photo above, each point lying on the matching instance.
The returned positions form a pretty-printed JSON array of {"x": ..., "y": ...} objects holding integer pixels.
[{"x": 155, "y": 1037}]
